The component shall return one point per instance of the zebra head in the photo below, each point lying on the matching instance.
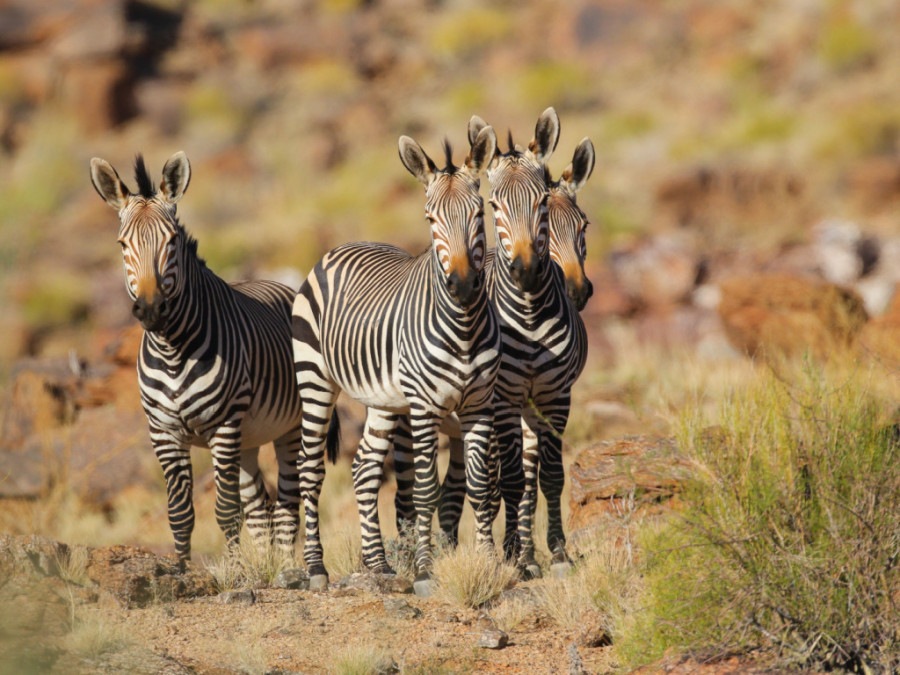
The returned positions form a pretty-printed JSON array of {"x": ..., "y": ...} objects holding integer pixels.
[
  {"x": 455, "y": 210},
  {"x": 519, "y": 201},
  {"x": 152, "y": 240},
  {"x": 568, "y": 224}
]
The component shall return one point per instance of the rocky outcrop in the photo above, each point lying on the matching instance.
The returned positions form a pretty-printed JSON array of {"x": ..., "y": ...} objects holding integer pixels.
[
  {"x": 782, "y": 314},
  {"x": 615, "y": 481}
]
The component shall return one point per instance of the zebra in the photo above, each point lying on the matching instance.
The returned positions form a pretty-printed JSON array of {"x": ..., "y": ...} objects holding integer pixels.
[
  {"x": 404, "y": 335},
  {"x": 563, "y": 329},
  {"x": 215, "y": 367}
]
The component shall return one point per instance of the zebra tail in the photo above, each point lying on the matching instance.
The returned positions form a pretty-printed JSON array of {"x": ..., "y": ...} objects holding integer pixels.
[{"x": 333, "y": 439}]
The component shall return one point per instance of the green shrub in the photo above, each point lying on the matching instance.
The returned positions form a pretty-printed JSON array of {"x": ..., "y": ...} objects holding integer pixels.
[
  {"x": 792, "y": 534},
  {"x": 844, "y": 43},
  {"x": 467, "y": 32}
]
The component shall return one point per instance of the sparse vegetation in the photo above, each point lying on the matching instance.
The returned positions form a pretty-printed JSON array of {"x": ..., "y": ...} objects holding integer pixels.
[
  {"x": 94, "y": 636},
  {"x": 468, "y": 577},
  {"x": 791, "y": 540},
  {"x": 363, "y": 660},
  {"x": 251, "y": 564}
]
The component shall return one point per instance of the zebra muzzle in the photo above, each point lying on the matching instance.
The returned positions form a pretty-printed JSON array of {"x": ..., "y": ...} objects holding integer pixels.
[
  {"x": 579, "y": 294},
  {"x": 464, "y": 288},
  {"x": 526, "y": 276},
  {"x": 153, "y": 314}
]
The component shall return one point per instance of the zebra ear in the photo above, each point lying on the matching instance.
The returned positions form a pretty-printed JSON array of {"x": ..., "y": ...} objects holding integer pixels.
[
  {"x": 416, "y": 161},
  {"x": 546, "y": 135},
  {"x": 176, "y": 176},
  {"x": 581, "y": 167},
  {"x": 108, "y": 184},
  {"x": 476, "y": 124},
  {"x": 484, "y": 147}
]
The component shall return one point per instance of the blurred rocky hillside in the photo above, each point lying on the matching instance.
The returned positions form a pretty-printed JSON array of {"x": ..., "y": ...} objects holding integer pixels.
[{"x": 732, "y": 139}]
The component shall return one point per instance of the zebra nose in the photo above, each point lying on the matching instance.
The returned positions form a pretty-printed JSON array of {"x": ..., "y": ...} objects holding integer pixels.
[
  {"x": 579, "y": 294},
  {"x": 526, "y": 277},
  {"x": 464, "y": 289},
  {"x": 151, "y": 314}
]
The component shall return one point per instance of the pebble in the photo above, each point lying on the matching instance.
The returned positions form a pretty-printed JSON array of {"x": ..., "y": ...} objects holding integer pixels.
[
  {"x": 493, "y": 639},
  {"x": 295, "y": 578},
  {"x": 246, "y": 596}
]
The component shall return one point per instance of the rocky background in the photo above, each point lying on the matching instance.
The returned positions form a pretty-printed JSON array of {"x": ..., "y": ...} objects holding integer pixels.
[{"x": 745, "y": 201}]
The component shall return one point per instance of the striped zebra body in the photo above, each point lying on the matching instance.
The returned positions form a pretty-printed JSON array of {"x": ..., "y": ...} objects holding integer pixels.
[
  {"x": 406, "y": 336},
  {"x": 544, "y": 339},
  {"x": 215, "y": 368}
]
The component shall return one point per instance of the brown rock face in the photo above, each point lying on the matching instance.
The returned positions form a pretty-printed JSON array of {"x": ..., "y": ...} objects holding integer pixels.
[
  {"x": 138, "y": 577},
  {"x": 634, "y": 475},
  {"x": 789, "y": 315}
]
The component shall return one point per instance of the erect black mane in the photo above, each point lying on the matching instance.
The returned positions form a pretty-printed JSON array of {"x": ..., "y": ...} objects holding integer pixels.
[
  {"x": 146, "y": 188},
  {"x": 451, "y": 168},
  {"x": 509, "y": 140}
]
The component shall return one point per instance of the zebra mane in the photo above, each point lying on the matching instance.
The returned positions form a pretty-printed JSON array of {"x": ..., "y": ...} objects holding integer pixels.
[
  {"x": 146, "y": 188},
  {"x": 509, "y": 140},
  {"x": 451, "y": 168}
]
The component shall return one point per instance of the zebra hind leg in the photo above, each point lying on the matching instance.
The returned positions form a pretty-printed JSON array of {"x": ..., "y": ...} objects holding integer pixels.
[
  {"x": 508, "y": 434},
  {"x": 426, "y": 492},
  {"x": 405, "y": 475},
  {"x": 528, "y": 504},
  {"x": 368, "y": 473},
  {"x": 479, "y": 473}
]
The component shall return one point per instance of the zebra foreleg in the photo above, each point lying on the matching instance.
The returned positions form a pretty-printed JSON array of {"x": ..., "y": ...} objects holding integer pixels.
[
  {"x": 255, "y": 502},
  {"x": 311, "y": 466},
  {"x": 368, "y": 473},
  {"x": 405, "y": 474},
  {"x": 551, "y": 478},
  {"x": 508, "y": 432},
  {"x": 175, "y": 459},
  {"x": 226, "y": 454},
  {"x": 528, "y": 503},
  {"x": 426, "y": 491},
  {"x": 286, "y": 516},
  {"x": 453, "y": 491},
  {"x": 480, "y": 471}
]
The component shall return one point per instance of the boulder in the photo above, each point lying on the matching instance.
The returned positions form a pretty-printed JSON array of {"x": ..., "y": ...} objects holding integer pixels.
[
  {"x": 783, "y": 314},
  {"x": 612, "y": 481}
]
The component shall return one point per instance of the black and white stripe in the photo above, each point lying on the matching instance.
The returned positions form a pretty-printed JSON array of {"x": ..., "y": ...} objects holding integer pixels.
[
  {"x": 405, "y": 335},
  {"x": 215, "y": 367}
]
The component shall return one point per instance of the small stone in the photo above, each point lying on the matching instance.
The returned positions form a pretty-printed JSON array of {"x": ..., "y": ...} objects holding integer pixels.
[
  {"x": 445, "y": 616},
  {"x": 398, "y": 608},
  {"x": 560, "y": 570},
  {"x": 246, "y": 596},
  {"x": 493, "y": 639},
  {"x": 423, "y": 588},
  {"x": 295, "y": 579}
]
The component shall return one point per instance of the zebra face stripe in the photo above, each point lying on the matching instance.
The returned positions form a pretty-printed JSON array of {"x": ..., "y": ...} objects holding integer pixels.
[
  {"x": 455, "y": 212},
  {"x": 568, "y": 248},
  {"x": 519, "y": 201}
]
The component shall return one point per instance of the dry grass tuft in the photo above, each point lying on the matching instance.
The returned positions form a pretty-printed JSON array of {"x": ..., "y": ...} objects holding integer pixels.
[
  {"x": 343, "y": 551},
  {"x": 93, "y": 637},
  {"x": 363, "y": 660},
  {"x": 470, "y": 578},
  {"x": 251, "y": 565}
]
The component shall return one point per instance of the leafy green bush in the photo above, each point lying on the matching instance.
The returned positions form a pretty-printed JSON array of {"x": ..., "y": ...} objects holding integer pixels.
[{"x": 792, "y": 535}]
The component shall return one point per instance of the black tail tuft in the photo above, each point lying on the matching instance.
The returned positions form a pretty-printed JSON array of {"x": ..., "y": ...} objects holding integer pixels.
[{"x": 333, "y": 439}]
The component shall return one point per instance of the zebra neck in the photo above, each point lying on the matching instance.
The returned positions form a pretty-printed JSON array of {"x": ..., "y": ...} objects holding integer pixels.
[
  {"x": 195, "y": 315},
  {"x": 504, "y": 289}
]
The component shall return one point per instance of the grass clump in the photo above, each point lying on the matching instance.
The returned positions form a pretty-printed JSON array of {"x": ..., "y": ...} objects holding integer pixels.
[
  {"x": 363, "y": 660},
  {"x": 792, "y": 534},
  {"x": 251, "y": 564},
  {"x": 469, "y": 577},
  {"x": 95, "y": 636}
]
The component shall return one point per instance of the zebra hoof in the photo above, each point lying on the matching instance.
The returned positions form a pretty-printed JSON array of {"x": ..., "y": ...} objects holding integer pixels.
[
  {"x": 383, "y": 570},
  {"x": 530, "y": 570},
  {"x": 423, "y": 587},
  {"x": 318, "y": 582},
  {"x": 560, "y": 570}
]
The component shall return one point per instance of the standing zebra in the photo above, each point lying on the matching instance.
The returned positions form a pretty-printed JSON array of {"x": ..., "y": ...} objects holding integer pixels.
[
  {"x": 544, "y": 340},
  {"x": 544, "y": 344},
  {"x": 215, "y": 366},
  {"x": 568, "y": 251},
  {"x": 404, "y": 335}
]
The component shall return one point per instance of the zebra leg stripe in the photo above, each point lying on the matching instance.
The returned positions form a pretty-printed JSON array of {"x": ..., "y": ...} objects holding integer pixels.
[
  {"x": 479, "y": 473},
  {"x": 286, "y": 516},
  {"x": 426, "y": 491},
  {"x": 508, "y": 430},
  {"x": 551, "y": 476},
  {"x": 226, "y": 455},
  {"x": 405, "y": 474},
  {"x": 453, "y": 492},
  {"x": 175, "y": 460},
  {"x": 528, "y": 504},
  {"x": 368, "y": 472},
  {"x": 257, "y": 506}
]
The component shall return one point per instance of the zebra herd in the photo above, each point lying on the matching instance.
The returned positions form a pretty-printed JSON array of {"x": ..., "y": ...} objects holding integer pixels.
[{"x": 487, "y": 343}]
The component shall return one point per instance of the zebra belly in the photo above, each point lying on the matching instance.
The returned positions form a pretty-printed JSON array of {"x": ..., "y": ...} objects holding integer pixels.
[
  {"x": 387, "y": 398},
  {"x": 257, "y": 430}
]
